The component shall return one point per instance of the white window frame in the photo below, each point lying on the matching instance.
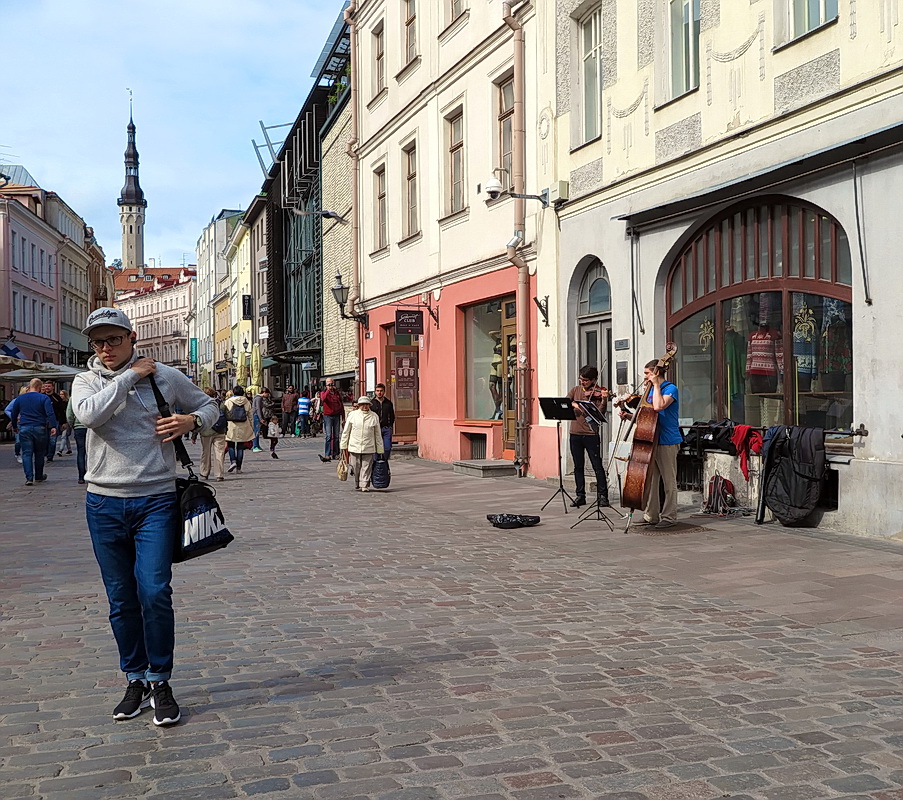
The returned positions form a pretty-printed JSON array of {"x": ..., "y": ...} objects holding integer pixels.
[
  {"x": 379, "y": 58},
  {"x": 455, "y": 147},
  {"x": 801, "y": 19},
  {"x": 411, "y": 195},
  {"x": 455, "y": 9},
  {"x": 410, "y": 31},
  {"x": 590, "y": 66},
  {"x": 505, "y": 121},
  {"x": 684, "y": 76},
  {"x": 381, "y": 205}
]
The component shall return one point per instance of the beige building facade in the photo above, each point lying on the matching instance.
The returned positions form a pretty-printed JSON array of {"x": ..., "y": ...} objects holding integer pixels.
[{"x": 727, "y": 166}]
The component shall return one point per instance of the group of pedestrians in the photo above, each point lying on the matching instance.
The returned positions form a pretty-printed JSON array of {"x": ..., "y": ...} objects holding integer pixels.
[{"x": 45, "y": 427}]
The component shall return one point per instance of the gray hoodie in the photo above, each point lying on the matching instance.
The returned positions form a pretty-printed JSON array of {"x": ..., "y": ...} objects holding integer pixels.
[{"x": 126, "y": 457}]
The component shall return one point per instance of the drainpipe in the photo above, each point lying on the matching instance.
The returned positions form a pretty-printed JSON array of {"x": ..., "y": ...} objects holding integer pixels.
[
  {"x": 522, "y": 370},
  {"x": 354, "y": 294}
]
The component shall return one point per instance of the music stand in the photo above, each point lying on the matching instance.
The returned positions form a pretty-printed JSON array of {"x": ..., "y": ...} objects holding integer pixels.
[
  {"x": 559, "y": 409},
  {"x": 597, "y": 419}
]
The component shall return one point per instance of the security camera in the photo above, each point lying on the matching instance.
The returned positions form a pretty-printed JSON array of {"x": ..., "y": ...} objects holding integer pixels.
[{"x": 494, "y": 188}]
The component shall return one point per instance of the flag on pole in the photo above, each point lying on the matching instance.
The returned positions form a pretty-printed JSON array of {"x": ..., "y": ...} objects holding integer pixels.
[{"x": 10, "y": 349}]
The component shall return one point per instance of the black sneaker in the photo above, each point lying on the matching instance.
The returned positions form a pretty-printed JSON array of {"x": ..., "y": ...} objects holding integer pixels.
[
  {"x": 136, "y": 698},
  {"x": 273, "y": 454},
  {"x": 166, "y": 709}
]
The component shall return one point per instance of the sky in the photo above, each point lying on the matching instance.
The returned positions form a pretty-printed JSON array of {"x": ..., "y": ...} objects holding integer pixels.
[{"x": 202, "y": 72}]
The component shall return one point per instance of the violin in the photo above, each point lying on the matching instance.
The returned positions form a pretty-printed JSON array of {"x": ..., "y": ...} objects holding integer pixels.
[{"x": 645, "y": 438}]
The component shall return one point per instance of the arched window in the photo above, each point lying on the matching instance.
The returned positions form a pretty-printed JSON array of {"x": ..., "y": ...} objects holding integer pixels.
[
  {"x": 595, "y": 292},
  {"x": 760, "y": 307}
]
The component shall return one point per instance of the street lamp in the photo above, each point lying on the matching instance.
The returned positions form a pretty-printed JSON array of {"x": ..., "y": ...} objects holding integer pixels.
[
  {"x": 340, "y": 293},
  {"x": 244, "y": 344}
]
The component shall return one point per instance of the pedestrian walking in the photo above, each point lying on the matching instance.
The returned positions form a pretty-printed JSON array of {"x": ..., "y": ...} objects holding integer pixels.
[
  {"x": 59, "y": 410},
  {"x": 383, "y": 408},
  {"x": 213, "y": 442},
  {"x": 273, "y": 433},
  {"x": 361, "y": 438},
  {"x": 64, "y": 438},
  {"x": 8, "y": 412},
  {"x": 240, "y": 431},
  {"x": 261, "y": 413},
  {"x": 80, "y": 434},
  {"x": 289, "y": 410},
  {"x": 33, "y": 418},
  {"x": 304, "y": 414},
  {"x": 131, "y": 503},
  {"x": 333, "y": 410}
]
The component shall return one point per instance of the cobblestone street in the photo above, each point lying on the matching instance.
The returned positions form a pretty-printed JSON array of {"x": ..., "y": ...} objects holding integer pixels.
[{"x": 395, "y": 646}]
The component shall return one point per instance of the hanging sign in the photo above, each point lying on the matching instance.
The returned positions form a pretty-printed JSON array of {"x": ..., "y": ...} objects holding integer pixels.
[
  {"x": 409, "y": 322},
  {"x": 247, "y": 307}
]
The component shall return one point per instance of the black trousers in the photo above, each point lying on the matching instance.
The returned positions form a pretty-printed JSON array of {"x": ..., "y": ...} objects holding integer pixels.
[{"x": 588, "y": 445}]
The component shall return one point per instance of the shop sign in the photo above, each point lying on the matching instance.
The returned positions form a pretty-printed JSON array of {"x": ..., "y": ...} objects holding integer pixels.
[
  {"x": 263, "y": 332},
  {"x": 409, "y": 323},
  {"x": 247, "y": 307},
  {"x": 193, "y": 351}
]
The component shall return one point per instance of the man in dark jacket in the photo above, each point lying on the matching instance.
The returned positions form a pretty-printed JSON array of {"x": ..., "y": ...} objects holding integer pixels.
[
  {"x": 59, "y": 411},
  {"x": 384, "y": 409}
]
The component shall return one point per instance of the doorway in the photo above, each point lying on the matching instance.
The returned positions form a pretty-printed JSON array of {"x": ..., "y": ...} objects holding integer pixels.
[
  {"x": 594, "y": 334},
  {"x": 403, "y": 384}
]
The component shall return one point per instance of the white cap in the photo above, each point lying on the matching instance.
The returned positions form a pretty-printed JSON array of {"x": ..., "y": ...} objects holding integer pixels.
[
  {"x": 363, "y": 400},
  {"x": 107, "y": 316}
]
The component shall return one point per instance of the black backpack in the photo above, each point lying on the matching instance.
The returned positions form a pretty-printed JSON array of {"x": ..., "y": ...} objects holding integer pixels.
[
  {"x": 221, "y": 424},
  {"x": 236, "y": 413}
]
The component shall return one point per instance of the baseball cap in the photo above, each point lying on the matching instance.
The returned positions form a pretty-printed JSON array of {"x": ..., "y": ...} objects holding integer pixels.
[
  {"x": 363, "y": 400},
  {"x": 107, "y": 316}
]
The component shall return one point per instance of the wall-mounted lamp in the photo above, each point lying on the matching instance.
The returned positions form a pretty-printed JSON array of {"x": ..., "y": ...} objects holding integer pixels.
[
  {"x": 543, "y": 197},
  {"x": 326, "y": 214},
  {"x": 543, "y": 306},
  {"x": 340, "y": 293}
]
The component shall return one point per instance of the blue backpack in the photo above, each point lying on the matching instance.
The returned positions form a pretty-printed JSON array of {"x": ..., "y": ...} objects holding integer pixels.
[{"x": 221, "y": 423}]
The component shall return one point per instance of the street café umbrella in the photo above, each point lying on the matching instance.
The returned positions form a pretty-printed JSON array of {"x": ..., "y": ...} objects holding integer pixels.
[
  {"x": 241, "y": 371},
  {"x": 47, "y": 372},
  {"x": 256, "y": 367},
  {"x": 18, "y": 363},
  {"x": 205, "y": 378}
]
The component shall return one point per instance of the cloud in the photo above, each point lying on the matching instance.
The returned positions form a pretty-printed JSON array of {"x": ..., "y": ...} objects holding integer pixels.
[{"x": 203, "y": 73}]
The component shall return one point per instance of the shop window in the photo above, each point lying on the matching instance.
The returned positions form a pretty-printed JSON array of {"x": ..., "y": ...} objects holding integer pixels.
[
  {"x": 760, "y": 307},
  {"x": 489, "y": 368}
]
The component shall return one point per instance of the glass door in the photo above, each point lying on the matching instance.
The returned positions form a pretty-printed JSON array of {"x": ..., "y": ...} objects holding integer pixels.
[{"x": 595, "y": 351}]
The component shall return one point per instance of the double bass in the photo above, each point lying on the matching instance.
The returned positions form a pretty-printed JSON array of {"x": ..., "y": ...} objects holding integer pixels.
[{"x": 645, "y": 438}]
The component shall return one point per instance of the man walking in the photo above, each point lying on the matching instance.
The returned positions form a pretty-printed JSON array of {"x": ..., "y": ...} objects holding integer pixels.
[
  {"x": 32, "y": 417},
  {"x": 289, "y": 411},
  {"x": 384, "y": 409},
  {"x": 262, "y": 409},
  {"x": 131, "y": 504},
  {"x": 59, "y": 411},
  {"x": 333, "y": 410}
]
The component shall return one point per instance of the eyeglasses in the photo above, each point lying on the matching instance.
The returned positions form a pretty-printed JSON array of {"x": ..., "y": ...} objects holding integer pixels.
[
  {"x": 113, "y": 341},
  {"x": 585, "y": 380}
]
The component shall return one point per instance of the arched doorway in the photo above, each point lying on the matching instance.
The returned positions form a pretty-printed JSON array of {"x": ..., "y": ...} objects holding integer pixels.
[
  {"x": 760, "y": 305},
  {"x": 594, "y": 340}
]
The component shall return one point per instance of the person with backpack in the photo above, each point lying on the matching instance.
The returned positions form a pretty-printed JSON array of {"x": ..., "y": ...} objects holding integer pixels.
[
  {"x": 213, "y": 443},
  {"x": 240, "y": 431}
]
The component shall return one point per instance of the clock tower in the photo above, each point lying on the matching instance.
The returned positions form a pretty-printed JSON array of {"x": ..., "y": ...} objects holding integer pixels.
[{"x": 131, "y": 208}]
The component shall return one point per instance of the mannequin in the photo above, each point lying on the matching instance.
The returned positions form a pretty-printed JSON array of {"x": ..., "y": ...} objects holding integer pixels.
[{"x": 764, "y": 359}]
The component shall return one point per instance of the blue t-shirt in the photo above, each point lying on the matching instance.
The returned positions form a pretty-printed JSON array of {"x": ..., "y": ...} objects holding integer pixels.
[
  {"x": 32, "y": 409},
  {"x": 668, "y": 424},
  {"x": 304, "y": 405}
]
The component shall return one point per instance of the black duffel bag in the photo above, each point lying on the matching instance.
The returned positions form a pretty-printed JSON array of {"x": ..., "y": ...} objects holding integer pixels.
[{"x": 380, "y": 475}]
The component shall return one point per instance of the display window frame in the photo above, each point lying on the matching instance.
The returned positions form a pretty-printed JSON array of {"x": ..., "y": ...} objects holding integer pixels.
[{"x": 807, "y": 252}]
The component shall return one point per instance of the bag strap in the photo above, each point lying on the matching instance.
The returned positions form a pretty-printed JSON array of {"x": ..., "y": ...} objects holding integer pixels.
[{"x": 178, "y": 444}]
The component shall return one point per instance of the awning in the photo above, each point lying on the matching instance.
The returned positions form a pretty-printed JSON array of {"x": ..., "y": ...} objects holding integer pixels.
[
  {"x": 47, "y": 372},
  {"x": 299, "y": 356},
  {"x": 17, "y": 363},
  {"x": 269, "y": 362}
]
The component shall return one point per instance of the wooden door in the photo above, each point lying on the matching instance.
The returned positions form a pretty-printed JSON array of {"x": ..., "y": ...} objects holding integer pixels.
[{"x": 404, "y": 388}]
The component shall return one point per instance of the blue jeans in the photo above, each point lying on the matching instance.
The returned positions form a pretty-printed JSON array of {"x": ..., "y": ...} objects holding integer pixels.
[
  {"x": 18, "y": 446},
  {"x": 304, "y": 422},
  {"x": 256, "y": 443},
  {"x": 387, "y": 442},
  {"x": 51, "y": 445},
  {"x": 81, "y": 451},
  {"x": 133, "y": 540},
  {"x": 33, "y": 439},
  {"x": 236, "y": 452},
  {"x": 332, "y": 428}
]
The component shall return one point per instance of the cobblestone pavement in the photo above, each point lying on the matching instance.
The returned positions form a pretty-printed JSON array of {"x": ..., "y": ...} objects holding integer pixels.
[{"x": 395, "y": 646}]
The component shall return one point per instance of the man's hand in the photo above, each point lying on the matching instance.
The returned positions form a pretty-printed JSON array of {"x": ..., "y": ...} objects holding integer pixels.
[
  {"x": 145, "y": 367},
  {"x": 175, "y": 426},
  {"x": 656, "y": 378},
  {"x": 53, "y": 431}
]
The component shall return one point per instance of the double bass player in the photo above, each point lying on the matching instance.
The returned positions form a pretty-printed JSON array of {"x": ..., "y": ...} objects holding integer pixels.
[{"x": 663, "y": 397}]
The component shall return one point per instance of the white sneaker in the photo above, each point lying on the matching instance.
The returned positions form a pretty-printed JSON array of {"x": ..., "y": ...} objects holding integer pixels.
[{"x": 19, "y": 459}]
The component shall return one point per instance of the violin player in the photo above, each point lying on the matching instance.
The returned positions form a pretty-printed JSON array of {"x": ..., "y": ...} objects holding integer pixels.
[
  {"x": 663, "y": 397},
  {"x": 584, "y": 440}
]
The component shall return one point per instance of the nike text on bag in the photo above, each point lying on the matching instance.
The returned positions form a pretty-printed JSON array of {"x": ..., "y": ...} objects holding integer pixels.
[{"x": 202, "y": 528}]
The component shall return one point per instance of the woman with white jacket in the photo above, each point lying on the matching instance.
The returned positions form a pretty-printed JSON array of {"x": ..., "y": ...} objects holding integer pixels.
[
  {"x": 361, "y": 438},
  {"x": 240, "y": 431}
]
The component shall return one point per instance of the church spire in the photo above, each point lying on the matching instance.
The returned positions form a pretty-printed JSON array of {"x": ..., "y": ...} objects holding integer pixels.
[{"x": 131, "y": 194}]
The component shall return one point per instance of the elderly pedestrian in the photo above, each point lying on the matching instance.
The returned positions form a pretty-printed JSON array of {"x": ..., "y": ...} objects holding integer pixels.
[
  {"x": 241, "y": 430},
  {"x": 213, "y": 443},
  {"x": 361, "y": 438}
]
